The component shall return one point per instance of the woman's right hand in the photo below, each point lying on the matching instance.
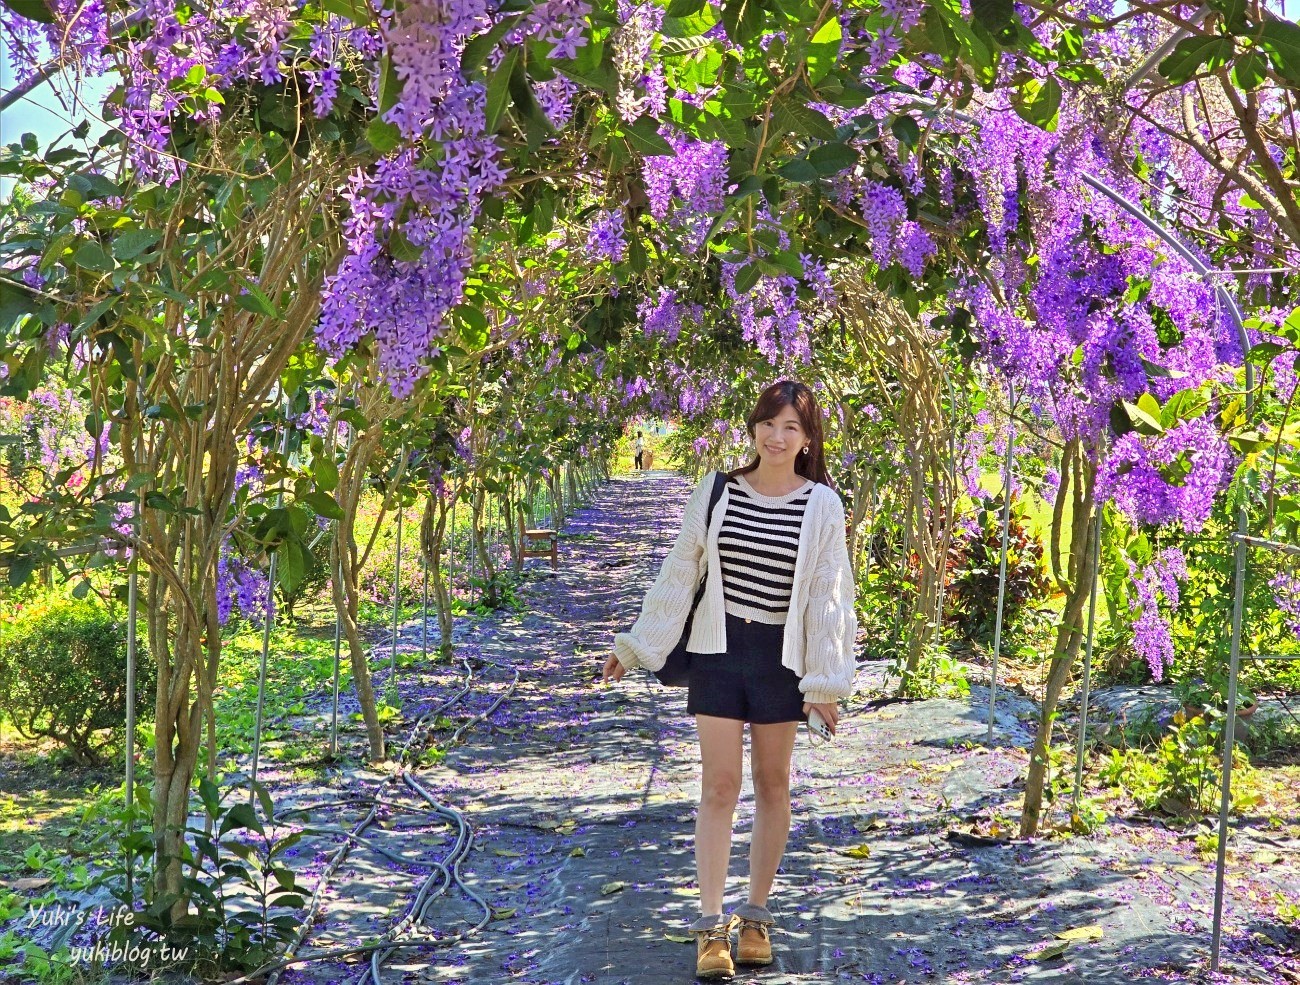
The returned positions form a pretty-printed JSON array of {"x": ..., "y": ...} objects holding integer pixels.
[{"x": 613, "y": 670}]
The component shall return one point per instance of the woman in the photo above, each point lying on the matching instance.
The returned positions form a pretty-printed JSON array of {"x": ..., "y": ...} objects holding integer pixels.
[{"x": 771, "y": 639}]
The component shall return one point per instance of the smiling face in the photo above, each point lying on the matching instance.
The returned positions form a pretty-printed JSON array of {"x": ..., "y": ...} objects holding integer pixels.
[{"x": 780, "y": 439}]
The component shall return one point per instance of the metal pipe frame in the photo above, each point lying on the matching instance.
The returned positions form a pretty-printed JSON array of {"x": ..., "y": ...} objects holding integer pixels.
[{"x": 1002, "y": 562}]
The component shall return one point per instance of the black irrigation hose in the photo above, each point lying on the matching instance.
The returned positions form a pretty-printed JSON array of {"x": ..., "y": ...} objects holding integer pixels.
[{"x": 441, "y": 872}]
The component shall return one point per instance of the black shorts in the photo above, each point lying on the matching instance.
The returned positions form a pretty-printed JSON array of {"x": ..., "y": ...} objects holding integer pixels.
[{"x": 748, "y": 683}]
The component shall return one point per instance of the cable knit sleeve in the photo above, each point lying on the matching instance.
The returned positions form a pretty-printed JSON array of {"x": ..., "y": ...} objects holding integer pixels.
[
  {"x": 668, "y": 603},
  {"x": 830, "y": 623}
]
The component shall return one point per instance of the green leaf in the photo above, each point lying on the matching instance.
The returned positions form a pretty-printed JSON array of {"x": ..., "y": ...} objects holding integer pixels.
[
  {"x": 1281, "y": 39},
  {"x": 906, "y": 131},
  {"x": 256, "y": 301},
  {"x": 1234, "y": 14},
  {"x": 1141, "y": 419},
  {"x": 210, "y": 795},
  {"x": 743, "y": 20},
  {"x": 799, "y": 171},
  {"x": 383, "y": 136},
  {"x": 291, "y": 566},
  {"x": 1149, "y": 404},
  {"x": 478, "y": 47},
  {"x": 498, "y": 90},
  {"x": 1156, "y": 371},
  {"x": 830, "y": 159},
  {"x": 357, "y": 11},
  {"x": 21, "y": 567},
  {"x": 1038, "y": 101},
  {"x": 1092, "y": 932},
  {"x": 327, "y": 473},
  {"x": 644, "y": 136},
  {"x": 133, "y": 242},
  {"x": 824, "y": 49},
  {"x": 1264, "y": 352},
  {"x": 473, "y": 326},
  {"x": 791, "y": 114},
  {"x": 324, "y": 504},
  {"x": 684, "y": 8},
  {"x": 33, "y": 10},
  {"x": 240, "y": 816},
  {"x": 1191, "y": 54},
  {"x": 1248, "y": 72},
  {"x": 996, "y": 16},
  {"x": 1049, "y": 952},
  {"x": 746, "y": 278},
  {"x": 91, "y": 256}
]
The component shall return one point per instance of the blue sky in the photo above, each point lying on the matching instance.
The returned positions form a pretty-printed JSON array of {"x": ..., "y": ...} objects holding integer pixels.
[{"x": 44, "y": 113}]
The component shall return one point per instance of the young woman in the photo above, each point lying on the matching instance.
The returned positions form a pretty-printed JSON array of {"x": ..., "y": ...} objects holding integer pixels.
[{"x": 771, "y": 639}]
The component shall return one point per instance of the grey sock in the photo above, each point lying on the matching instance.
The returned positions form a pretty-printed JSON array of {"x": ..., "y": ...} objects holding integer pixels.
[
  {"x": 708, "y": 922},
  {"x": 752, "y": 911}
]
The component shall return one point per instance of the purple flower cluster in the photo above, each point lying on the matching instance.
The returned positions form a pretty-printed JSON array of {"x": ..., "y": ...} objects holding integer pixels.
[
  {"x": 400, "y": 284},
  {"x": 241, "y": 587},
  {"x": 1157, "y": 580},
  {"x": 608, "y": 240},
  {"x": 1170, "y": 478},
  {"x": 696, "y": 176},
  {"x": 893, "y": 235},
  {"x": 1286, "y": 593},
  {"x": 663, "y": 314},
  {"x": 641, "y": 86}
]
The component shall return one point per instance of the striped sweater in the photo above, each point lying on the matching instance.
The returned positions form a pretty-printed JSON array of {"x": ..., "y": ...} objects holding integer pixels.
[
  {"x": 820, "y": 627},
  {"x": 757, "y": 545}
]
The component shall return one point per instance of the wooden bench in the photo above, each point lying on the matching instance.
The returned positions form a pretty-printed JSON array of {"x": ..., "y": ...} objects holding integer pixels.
[{"x": 540, "y": 542}]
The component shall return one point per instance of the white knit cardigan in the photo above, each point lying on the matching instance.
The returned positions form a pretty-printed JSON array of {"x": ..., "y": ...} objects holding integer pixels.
[{"x": 820, "y": 627}]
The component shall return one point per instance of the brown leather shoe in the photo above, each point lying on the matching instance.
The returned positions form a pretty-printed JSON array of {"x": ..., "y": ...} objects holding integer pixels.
[
  {"x": 713, "y": 953},
  {"x": 755, "y": 943},
  {"x": 755, "y": 934}
]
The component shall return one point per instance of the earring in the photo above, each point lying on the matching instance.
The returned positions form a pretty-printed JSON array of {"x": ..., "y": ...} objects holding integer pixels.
[{"x": 805, "y": 449}]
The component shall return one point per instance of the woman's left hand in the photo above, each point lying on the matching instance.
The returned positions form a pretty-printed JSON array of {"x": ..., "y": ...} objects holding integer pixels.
[{"x": 830, "y": 713}]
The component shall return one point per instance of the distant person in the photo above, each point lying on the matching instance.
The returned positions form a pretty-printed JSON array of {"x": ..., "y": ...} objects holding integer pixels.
[
  {"x": 639, "y": 448},
  {"x": 772, "y": 639}
]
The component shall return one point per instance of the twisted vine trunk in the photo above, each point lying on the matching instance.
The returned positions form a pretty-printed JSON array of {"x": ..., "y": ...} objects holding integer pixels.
[
  {"x": 209, "y": 388},
  {"x": 902, "y": 355},
  {"x": 433, "y": 538},
  {"x": 480, "y": 546},
  {"x": 348, "y": 561},
  {"x": 1078, "y": 481}
]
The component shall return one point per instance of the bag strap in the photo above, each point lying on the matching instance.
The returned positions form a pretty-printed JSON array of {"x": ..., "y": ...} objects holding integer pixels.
[
  {"x": 715, "y": 494},
  {"x": 719, "y": 483}
]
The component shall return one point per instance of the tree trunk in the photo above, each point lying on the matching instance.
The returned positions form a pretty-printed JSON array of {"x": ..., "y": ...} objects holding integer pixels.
[
  {"x": 480, "y": 546},
  {"x": 433, "y": 530},
  {"x": 348, "y": 562},
  {"x": 1071, "y": 631}
]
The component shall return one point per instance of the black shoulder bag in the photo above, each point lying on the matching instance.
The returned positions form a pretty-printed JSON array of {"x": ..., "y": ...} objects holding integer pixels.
[{"x": 676, "y": 671}]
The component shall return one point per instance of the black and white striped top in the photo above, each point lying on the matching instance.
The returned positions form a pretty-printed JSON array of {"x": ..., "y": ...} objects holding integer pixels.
[{"x": 757, "y": 545}]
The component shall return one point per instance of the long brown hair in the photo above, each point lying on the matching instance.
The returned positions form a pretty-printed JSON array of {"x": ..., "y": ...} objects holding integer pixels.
[{"x": 791, "y": 393}]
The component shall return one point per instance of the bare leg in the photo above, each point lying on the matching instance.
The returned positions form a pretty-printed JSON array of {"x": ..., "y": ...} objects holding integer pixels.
[
  {"x": 771, "y": 747},
  {"x": 721, "y": 756}
]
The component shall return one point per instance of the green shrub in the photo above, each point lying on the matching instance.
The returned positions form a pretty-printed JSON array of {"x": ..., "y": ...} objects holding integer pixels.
[
  {"x": 974, "y": 560},
  {"x": 63, "y": 674}
]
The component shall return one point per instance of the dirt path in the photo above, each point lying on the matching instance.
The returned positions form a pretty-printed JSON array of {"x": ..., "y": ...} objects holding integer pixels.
[{"x": 582, "y": 799}]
